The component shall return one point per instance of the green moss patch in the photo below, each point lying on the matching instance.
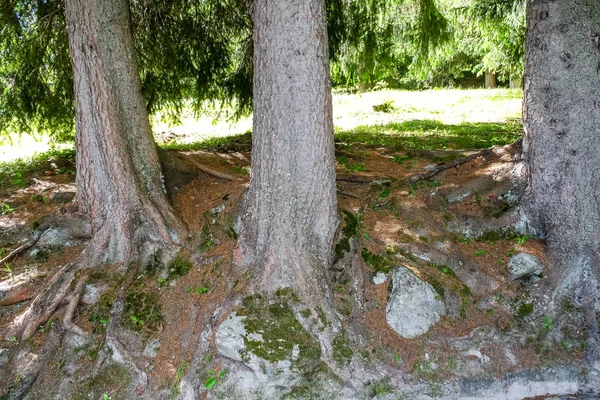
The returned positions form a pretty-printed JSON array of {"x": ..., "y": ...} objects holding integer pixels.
[
  {"x": 112, "y": 380},
  {"x": 142, "y": 312},
  {"x": 377, "y": 262},
  {"x": 179, "y": 267},
  {"x": 524, "y": 310},
  {"x": 280, "y": 330},
  {"x": 342, "y": 352},
  {"x": 350, "y": 229}
]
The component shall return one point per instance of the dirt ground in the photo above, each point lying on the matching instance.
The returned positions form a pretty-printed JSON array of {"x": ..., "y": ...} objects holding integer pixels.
[{"x": 398, "y": 222}]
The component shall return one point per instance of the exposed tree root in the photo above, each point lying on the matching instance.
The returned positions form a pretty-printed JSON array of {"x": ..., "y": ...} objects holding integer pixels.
[
  {"x": 348, "y": 194},
  {"x": 114, "y": 325},
  {"x": 19, "y": 288},
  {"x": 44, "y": 304},
  {"x": 217, "y": 174},
  {"x": 444, "y": 166},
  {"x": 73, "y": 302},
  {"x": 361, "y": 179},
  {"x": 31, "y": 242}
]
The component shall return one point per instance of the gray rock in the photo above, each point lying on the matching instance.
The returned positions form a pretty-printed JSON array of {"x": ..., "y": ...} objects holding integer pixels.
[
  {"x": 152, "y": 347},
  {"x": 4, "y": 353},
  {"x": 380, "y": 278},
  {"x": 92, "y": 293},
  {"x": 524, "y": 265},
  {"x": 230, "y": 337},
  {"x": 63, "y": 197},
  {"x": 413, "y": 306}
]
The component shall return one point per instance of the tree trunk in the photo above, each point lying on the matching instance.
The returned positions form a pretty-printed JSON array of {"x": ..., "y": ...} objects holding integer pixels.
[
  {"x": 490, "y": 80},
  {"x": 119, "y": 178},
  {"x": 561, "y": 145},
  {"x": 290, "y": 210}
]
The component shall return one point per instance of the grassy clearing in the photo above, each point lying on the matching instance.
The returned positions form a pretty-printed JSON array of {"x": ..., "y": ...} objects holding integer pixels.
[
  {"x": 433, "y": 135},
  {"x": 16, "y": 172},
  {"x": 433, "y": 119}
]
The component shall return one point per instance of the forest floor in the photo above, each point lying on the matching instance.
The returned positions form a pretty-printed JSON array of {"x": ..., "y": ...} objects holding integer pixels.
[{"x": 443, "y": 228}]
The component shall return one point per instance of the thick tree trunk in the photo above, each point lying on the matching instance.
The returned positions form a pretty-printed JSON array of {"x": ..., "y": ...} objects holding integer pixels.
[
  {"x": 119, "y": 179},
  {"x": 290, "y": 210},
  {"x": 562, "y": 142}
]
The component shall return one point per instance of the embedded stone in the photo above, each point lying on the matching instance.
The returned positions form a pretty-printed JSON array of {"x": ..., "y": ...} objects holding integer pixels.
[{"x": 413, "y": 305}]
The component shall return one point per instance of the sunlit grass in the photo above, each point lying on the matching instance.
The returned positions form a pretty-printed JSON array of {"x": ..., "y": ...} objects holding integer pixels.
[{"x": 433, "y": 119}]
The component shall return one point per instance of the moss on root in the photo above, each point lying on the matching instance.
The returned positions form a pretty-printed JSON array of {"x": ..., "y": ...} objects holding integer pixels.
[
  {"x": 342, "y": 352},
  {"x": 350, "y": 229},
  {"x": 112, "y": 379},
  {"x": 283, "y": 337},
  {"x": 377, "y": 262}
]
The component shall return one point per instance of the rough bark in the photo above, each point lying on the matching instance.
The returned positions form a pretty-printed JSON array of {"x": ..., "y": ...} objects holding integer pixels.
[
  {"x": 290, "y": 210},
  {"x": 119, "y": 179},
  {"x": 561, "y": 145}
]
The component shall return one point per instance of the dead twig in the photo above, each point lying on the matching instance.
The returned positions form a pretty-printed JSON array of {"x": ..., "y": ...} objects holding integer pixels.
[
  {"x": 23, "y": 247},
  {"x": 217, "y": 174},
  {"x": 444, "y": 166}
]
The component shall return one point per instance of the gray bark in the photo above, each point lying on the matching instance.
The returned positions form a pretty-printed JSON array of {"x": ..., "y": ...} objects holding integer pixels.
[
  {"x": 119, "y": 179},
  {"x": 290, "y": 210},
  {"x": 561, "y": 145}
]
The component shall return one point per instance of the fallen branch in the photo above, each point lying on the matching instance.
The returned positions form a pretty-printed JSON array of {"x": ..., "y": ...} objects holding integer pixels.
[
  {"x": 347, "y": 194},
  {"x": 68, "y": 318},
  {"x": 217, "y": 174},
  {"x": 361, "y": 179},
  {"x": 444, "y": 166},
  {"x": 23, "y": 247}
]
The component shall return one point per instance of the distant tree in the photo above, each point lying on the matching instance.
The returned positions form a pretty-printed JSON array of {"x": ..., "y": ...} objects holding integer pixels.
[
  {"x": 561, "y": 148},
  {"x": 290, "y": 211}
]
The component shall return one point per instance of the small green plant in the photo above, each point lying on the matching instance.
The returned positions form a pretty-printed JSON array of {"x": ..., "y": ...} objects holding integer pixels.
[
  {"x": 14, "y": 339},
  {"x": 8, "y": 269},
  {"x": 212, "y": 381},
  {"x": 490, "y": 311},
  {"x": 19, "y": 181},
  {"x": 548, "y": 323},
  {"x": 464, "y": 240},
  {"x": 521, "y": 240},
  {"x": 161, "y": 281},
  {"x": 433, "y": 184},
  {"x": 241, "y": 170},
  {"x": 200, "y": 290},
  {"x": 178, "y": 376},
  {"x": 6, "y": 209},
  {"x": 480, "y": 252},
  {"x": 39, "y": 198},
  {"x": 400, "y": 159},
  {"x": 136, "y": 320},
  {"x": 384, "y": 194}
]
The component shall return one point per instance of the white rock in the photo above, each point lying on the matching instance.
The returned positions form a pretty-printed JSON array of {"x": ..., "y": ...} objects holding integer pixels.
[
  {"x": 230, "y": 337},
  {"x": 524, "y": 265},
  {"x": 380, "y": 278},
  {"x": 152, "y": 348},
  {"x": 413, "y": 306}
]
